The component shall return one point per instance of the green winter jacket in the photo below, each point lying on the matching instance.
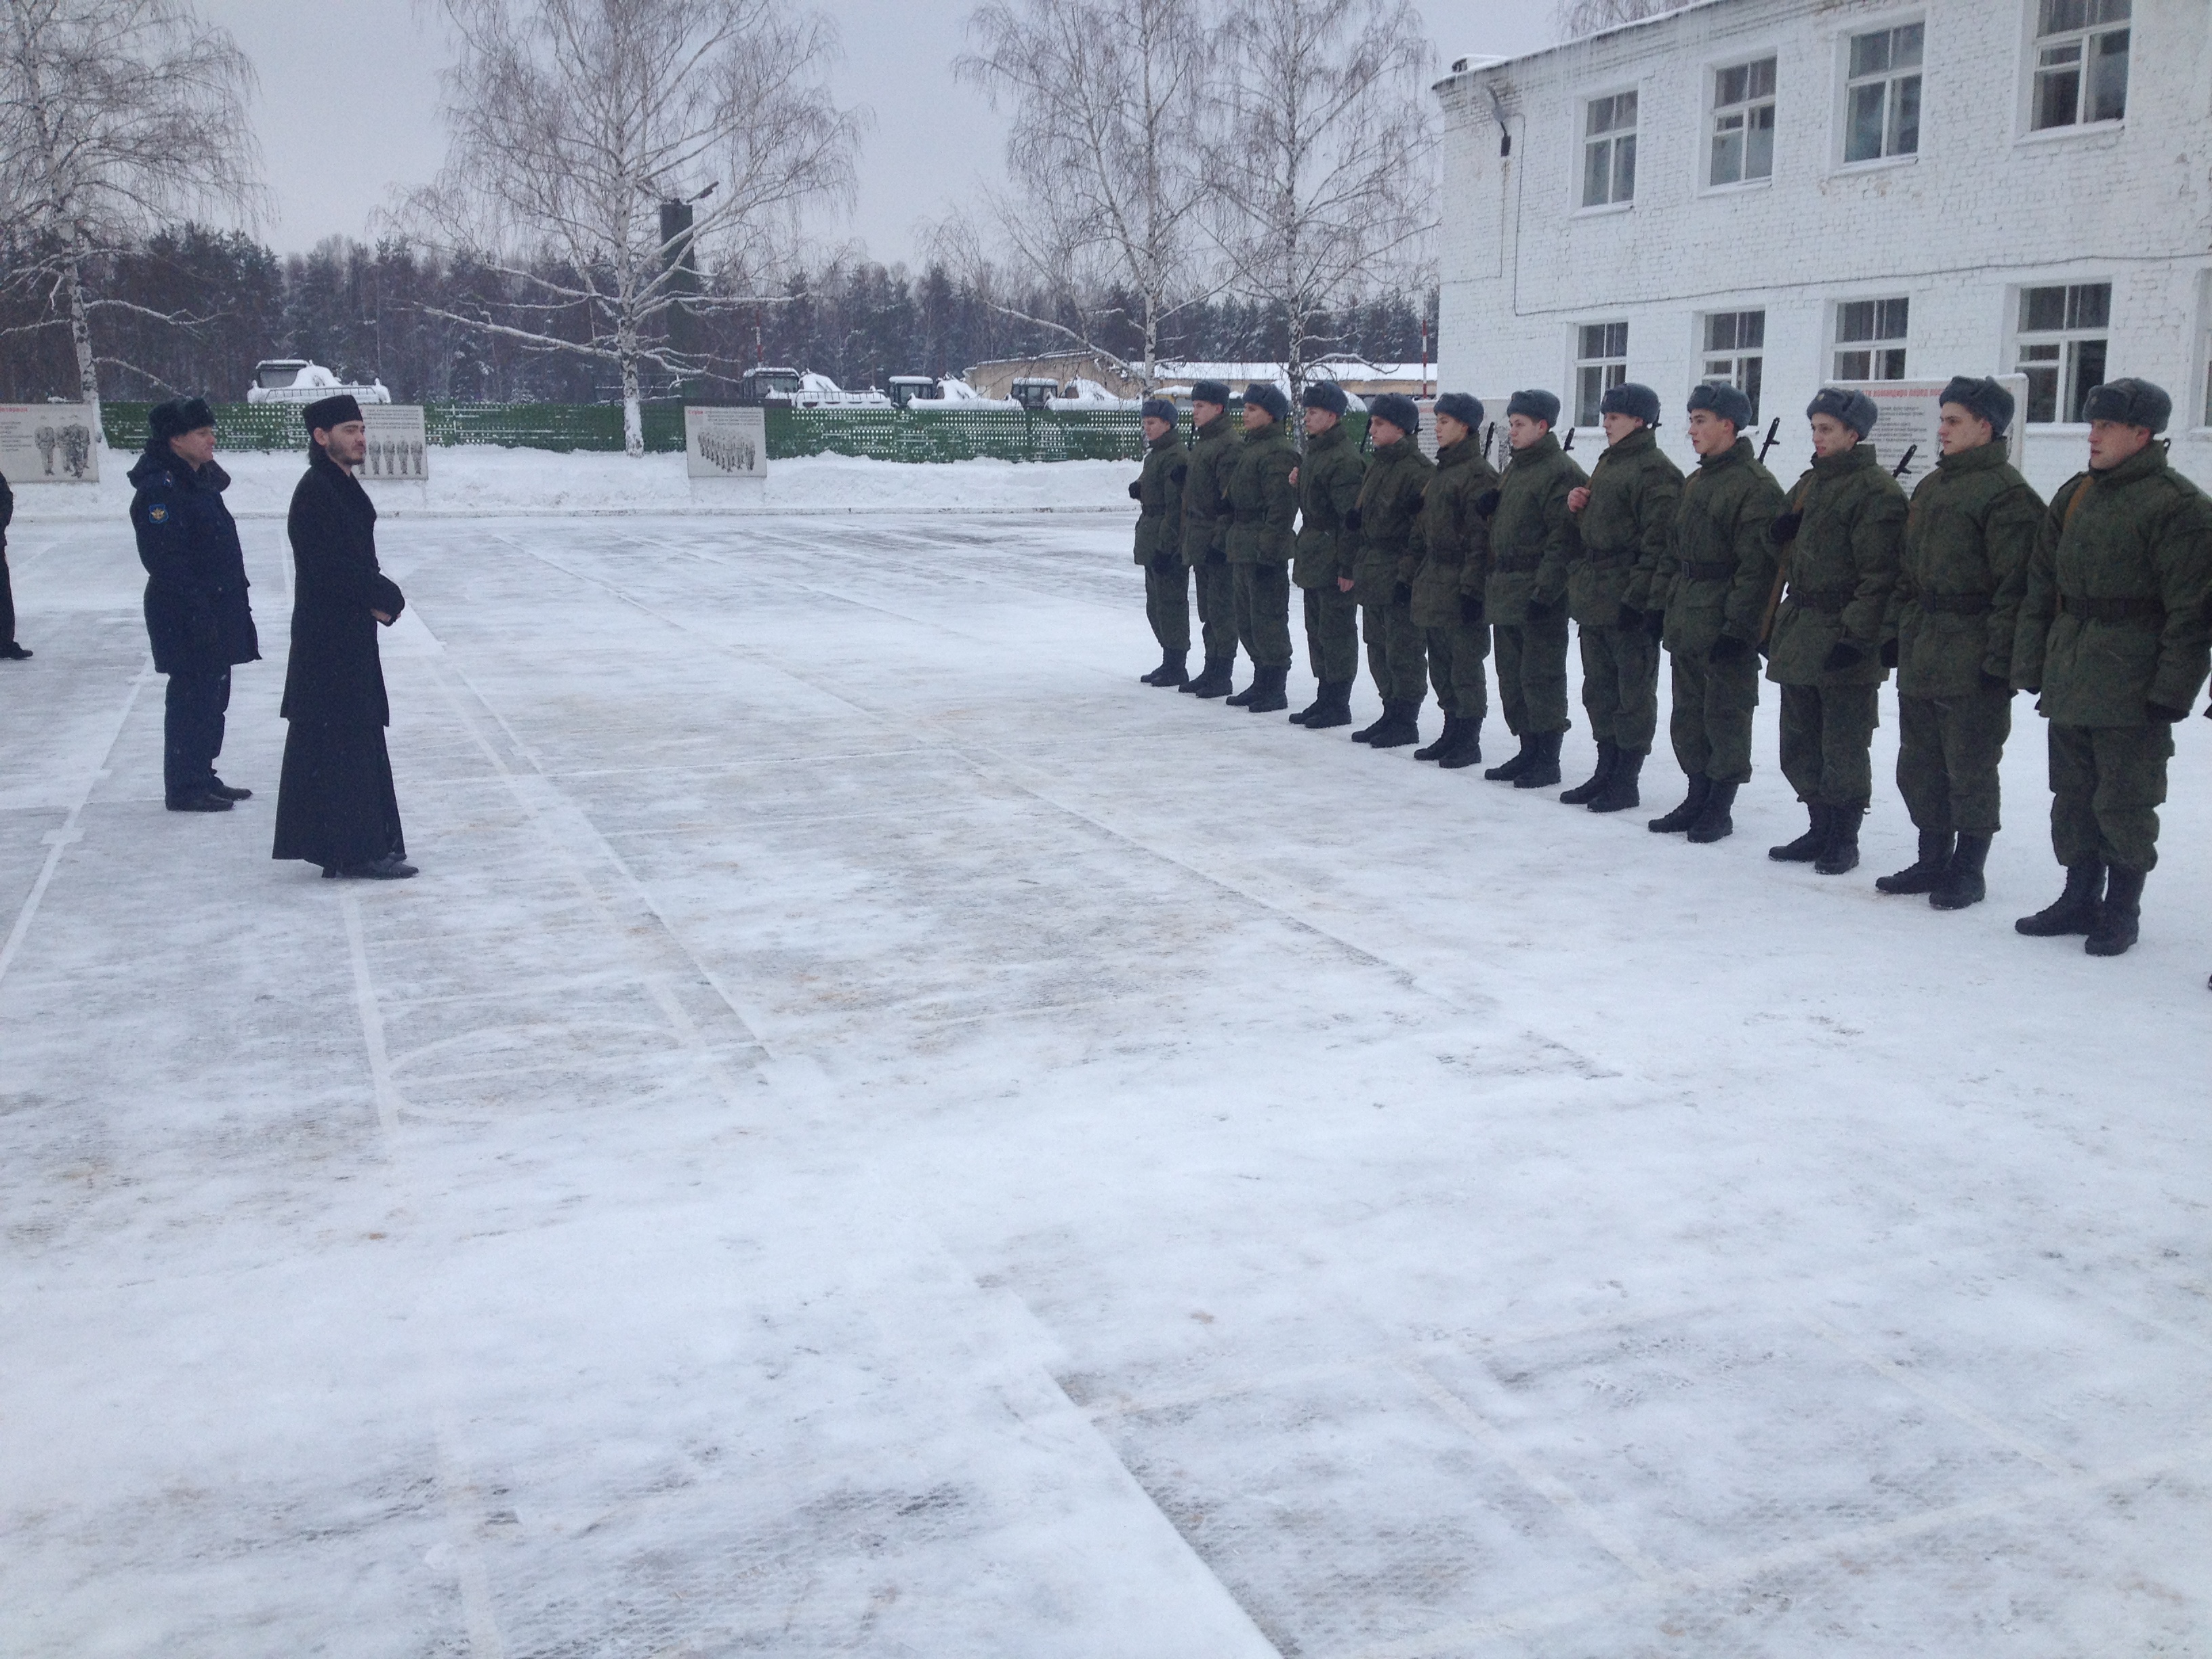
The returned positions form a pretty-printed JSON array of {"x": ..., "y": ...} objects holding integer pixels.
[
  {"x": 1390, "y": 503},
  {"x": 1532, "y": 535},
  {"x": 1634, "y": 489},
  {"x": 1205, "y": 495},
  {"x": 2113, "y": 616},
  {"x": 1956, "y": 605},
  {"x": 1718, "y": 568},
  {"x": 1160, "y": 497},
  {"x": 1450, "y": 535},
  {"x": 1329, "y": 487},
  {"x": 1263, "y": 504},
  {"x": 1842, "y": 566}
]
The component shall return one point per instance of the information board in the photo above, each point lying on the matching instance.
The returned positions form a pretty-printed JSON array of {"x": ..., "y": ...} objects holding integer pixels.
[
  {"x": 725, "y": 443},
  {"x": 48, "y": 443},
  {"x": 398, "y": 445},
  {"x": 1906, "y": 423}
]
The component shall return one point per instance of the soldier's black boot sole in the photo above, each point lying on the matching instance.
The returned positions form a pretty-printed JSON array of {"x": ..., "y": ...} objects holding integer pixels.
[
  {"x": 1543, "y": 770},
  {"x": 2119, "y": 918},
  {"x": 1925, "y": 873},
  {"x": 1684, "y": 817},
  {"x": 1507, "y": 771},
  {"x": 1962, "y": 883},
  {"x": 1620, "y": 792},
  {"x": 1267, "y": 696},
  {"x": 1442, "y": 745},
  {"x": 2075, "y": 910},
  {"x": 1841, "y": 855},
  {"x": 1466, "y": 749},
  {"x": 1714, "y": 823},
  {"x": 1583, "y": 794},
  {"x": 1808, "y": 847}
]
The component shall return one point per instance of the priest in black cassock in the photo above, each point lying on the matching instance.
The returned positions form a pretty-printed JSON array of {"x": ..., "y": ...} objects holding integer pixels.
[{"x": 335, "y": 804}]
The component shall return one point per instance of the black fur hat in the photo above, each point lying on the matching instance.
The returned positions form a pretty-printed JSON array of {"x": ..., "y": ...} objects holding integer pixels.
[
  {"x": 1210, "y": 392},
  {"x": 176, "y": 417},
  {"x": 1726, "y": 401},
  {"x": 1983, "y": 397},
  {"x": 1853, "y": 408},
  {"x": 1398, "y": 409},
  {"x": 2129, "y": 401},
  {"x": 1633, "y": 399},
  {"x": 1462, "y": 406},
  {"x": 1326, "y": 395},
  {"x": 1265, "y": 394}
]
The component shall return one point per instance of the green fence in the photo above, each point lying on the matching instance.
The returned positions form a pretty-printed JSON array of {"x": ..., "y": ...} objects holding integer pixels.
[{"x": 878, "y": 433}]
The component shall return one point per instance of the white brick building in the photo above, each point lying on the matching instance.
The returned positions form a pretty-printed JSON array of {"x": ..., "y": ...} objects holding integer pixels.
[{"x": 1793, "y": 192}]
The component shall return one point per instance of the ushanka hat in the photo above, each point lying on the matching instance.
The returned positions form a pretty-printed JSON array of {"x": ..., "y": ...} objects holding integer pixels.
[
  {"x": 1534, "y": 403},
  {"x": 1398, "y": 409},
  {"x": 1850, "y": 406},
  {"x": 1983, "y": 397},
  {"x": 326, "y": 413},
  {"x": 1726, "y": 401},
  {"x": 1326, "y": 395},
  {"x": 176, "y": 417},
  {"x": 1263, "y": 394},
  {"x": 1462, "y": 406},
  {"x": 1159, "y": 409},
  {"x": 2129, "y": 401},
  {"x": 1637, "y": 401},
  {"x": 1210, "y": 392}
]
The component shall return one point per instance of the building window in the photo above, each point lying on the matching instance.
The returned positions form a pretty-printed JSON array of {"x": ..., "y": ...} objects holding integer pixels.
[
  {"x": 1600, "y": 364},
  {"x": 1881, "y": 113},
  {"x": 2081, "y": 62},
  {"x": 1743, "y": 122},
  {"x": 1609, "y": 150},
  {"x": 2062, "y": 341},
  {"x": 1870, "y": 339},
  {"x": 1735, "y": 351}
]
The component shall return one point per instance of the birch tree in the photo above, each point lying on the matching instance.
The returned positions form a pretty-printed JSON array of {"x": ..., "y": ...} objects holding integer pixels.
[
  {"x": 1110, "y": 101},
  {"x": 1325, "y": 179},
  {"x": 116, "y": 117},
  {"x": 573, "y": 120}
]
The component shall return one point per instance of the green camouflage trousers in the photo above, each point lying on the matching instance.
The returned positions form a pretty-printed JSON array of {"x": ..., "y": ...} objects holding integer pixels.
[
  {"x": 1167, "y": 603},
  {"x": 1332, "y": 635},
  {"x": 1217, "y": 608},
  {"x": 1620, "y": 686},
  {"x": 1457, "y": 657},
  {"x": 2107, "y": 783},
  {"x": 1827, "y": 734},
  {"x": 1948, "y": 750},
  {"x": 1532, "y": 675},
  {"x": 1263, "y": 613},
  {"x": 1710, "y": 721},
  {"x": 1396, "y": 653}
]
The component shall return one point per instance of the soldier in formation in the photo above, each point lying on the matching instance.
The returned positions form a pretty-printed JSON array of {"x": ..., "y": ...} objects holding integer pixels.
[
  {"x": 1158, "y": 492},
  {"x": 1383, "y": 518},
  {"x": 1532, "y": 548},
  {"x": 1453, "y": 541},
  {"x": 9, "y": 650},
  {"x": 1205, "y": 536},
  {"x": 1328, "y": 477},
  {"x": 1263, "y": 506},
  {"x": 1623, "y": 517},
  {"x": 1838, "y": 541}
]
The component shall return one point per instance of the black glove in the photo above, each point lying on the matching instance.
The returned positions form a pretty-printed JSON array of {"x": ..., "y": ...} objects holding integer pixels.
[
  {"x": 1486, "y": 503},
  {"x": 1401, "y": 594},
  {"x": 1470, "y": 615},
  {"x": 1889, "y": 654},
  {"x": 1351, "y": 519},
  {"x": 2159, "y": 711},
  {"x": 1728, "y": 649},
  {"x": 1784, "y": 527},
  {"x": 1994, "y": 682},
  {"x": 1137, "y": 490},
  {"x": 1167, "y": 563},
  {"x": 1655, "y": 623},
  {"x": 1841, "y": 655},
  {"x": 1180, "y": 473},
  {"x": 1630, "y": 617}
]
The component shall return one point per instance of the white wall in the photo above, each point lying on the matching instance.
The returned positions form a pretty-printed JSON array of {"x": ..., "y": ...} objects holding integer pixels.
[{"x": 1984, "y": 209}]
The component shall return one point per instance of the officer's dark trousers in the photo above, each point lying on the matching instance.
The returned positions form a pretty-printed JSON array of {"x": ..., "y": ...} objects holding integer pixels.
[
  {"x": 192, "y": 731},
  {"x": 1263, "y": 613},
  {"x": 1620, "y": 686},
  {"x": 1216, "y": 607},
  {"x": 2107, "y": 783},
  {"x": 1458, "y": 667},
  {"x": 7, "y": 602},
  {"x": 1167, "y": 603},
  {"x": 1948, "y": 750},
  {"x": 1332, "y": 635},
  {"x": 1710, "y": 720},
  {"x": 1532, "y": 674},
  {"x": 1827, "y": 734},
  {"x": 1396, "y": 653}
]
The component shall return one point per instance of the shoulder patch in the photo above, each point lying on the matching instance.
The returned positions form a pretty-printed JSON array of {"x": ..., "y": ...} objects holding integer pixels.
[{"x": 159, "y": 512}]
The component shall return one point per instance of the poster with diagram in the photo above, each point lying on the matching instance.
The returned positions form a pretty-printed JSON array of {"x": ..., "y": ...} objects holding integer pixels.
[
  {"x": 398, "y": 445},
  {"x": 48, "y": 443},
  {"x": 725, "y": 444}
]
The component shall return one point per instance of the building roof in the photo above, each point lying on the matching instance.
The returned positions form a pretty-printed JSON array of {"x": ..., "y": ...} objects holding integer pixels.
[{"x": 1477, "y": 63}]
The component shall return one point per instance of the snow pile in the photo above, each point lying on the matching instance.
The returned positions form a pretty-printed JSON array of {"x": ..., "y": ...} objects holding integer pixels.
[{"x": 480, "y": 479}]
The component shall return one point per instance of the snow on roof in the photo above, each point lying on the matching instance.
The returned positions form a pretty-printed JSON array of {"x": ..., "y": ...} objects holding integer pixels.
[{"x": 1476, "y": 63}]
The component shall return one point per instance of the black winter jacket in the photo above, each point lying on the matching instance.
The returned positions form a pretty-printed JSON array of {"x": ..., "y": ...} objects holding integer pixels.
[{"x": 198, "y": 619}]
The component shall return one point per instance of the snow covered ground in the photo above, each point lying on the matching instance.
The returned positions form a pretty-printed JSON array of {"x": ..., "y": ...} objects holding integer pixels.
[
  {"x": 876, "y": 1133},
  {"x": 483, "y": 480}
]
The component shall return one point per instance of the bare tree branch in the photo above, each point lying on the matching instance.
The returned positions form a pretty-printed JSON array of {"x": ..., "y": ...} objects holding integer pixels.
[{"x": 1581, "y": 17}]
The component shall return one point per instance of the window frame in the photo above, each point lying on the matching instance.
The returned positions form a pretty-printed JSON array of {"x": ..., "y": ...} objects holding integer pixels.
[
  {"x": 2032, "y": 47},
  {"x": 1874, "y": 345},
  {"x": 1737, "y": 353},
  {"x": 1771, "y": 101},
  {"x": 1584, "y": 140},
  {"x": 2019, "y": 336},
  {"x": 1845, "y": 81},
  {"x": 1604, "y": 364}
]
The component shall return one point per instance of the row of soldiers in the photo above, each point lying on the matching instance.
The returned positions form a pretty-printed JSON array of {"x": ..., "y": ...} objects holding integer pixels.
[{"x": 1975, "y": 590}]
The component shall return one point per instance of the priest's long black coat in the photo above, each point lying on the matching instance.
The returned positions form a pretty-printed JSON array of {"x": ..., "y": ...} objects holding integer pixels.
[{"x": 336, "y": 804}]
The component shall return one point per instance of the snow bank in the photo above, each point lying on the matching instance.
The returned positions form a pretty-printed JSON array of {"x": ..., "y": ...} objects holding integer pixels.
[{"x": 483, "y": 480}]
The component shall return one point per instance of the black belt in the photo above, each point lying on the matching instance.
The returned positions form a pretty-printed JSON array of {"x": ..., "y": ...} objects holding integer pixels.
[
  {"x": 1830, "y": 602},
  {"x": 1707, "y": 570},
  {"x": 2113, "y": 610},
  {"x": 1956, "y": 605},
  {"x": 1510, "y": 564}
]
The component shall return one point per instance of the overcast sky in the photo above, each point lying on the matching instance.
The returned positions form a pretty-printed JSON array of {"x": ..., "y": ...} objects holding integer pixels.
[{"x": 347, "y": 110}]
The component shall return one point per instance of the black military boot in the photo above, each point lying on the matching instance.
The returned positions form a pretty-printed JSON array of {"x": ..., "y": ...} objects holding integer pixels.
[
  {"x": 1214, "y": 682},
  {"x": 1543, "y": 769},
  {"x": 1961, "y": 884},
  {"x": 1810, "y": 845},
  {"x": 1445, "y": 739},
  {"x": 2119, "y": 918},
  {"x": 1508, "y": 770},
  {"x": 1684, "y": 817},
  {"x": 1608, "y": 757},
  {"x": 217, "y": 786},
  {"x": 1267, "y": 697},
  {"x": 1368, "y": 734},
  {"x": 1332, "y": 708},
  {"x": 1925, "y": 873},
  {"x": 1400, "y": 726},
  {"x": 1714, "y": 823},
  {"x": 2075, "y": 910},
  {"x": 1841, "y": 855},
  {"x": 1244, "y": 697},
  {"x": 1173, "y": 671},
  {"x": 1620, "y": 792},
  {"x": 1321, "y": 699},
  {"x": 1466, "y": 749}
]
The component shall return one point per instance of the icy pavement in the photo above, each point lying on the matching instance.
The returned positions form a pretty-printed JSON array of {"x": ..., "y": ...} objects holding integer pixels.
[{"x": 875, "y": 1134}]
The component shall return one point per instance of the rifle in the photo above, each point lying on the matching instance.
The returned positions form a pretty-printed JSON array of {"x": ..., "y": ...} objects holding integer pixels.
[
  {"x": 1773, "y": 432},
  {"x": 1905, "y": 462},
  {"x": 1570, "y": 443}
]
